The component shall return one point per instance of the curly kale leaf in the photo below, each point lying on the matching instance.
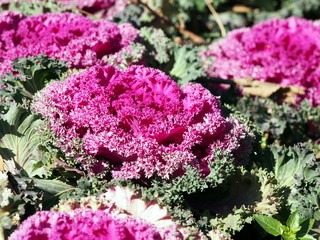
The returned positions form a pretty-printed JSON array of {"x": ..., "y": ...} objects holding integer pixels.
[
  {"x": 224, "y": 200},
  {"x": 36, "y": 7},
  {"x": 200, "y": 5},
  {"x": 233, "y": 203},
  {"x": 159, "y": 46},
  {"x": 226, "y": 205},
  {"x": 192, "y": 181},
  {"x": 33, "y": 73},
  {"x": 305, "y": 193},
  {"x": 89, "y": 186},
  {"x": 301, "y": 8},
  {"x": 21, "y": 197},
  {"x": 17, "y": 201},
  {"x": 187, "y": 66},
  {"x": 290, "y": 163},
  {"x": 284, "y": 123},
  {"x": 309, "y": 9},
  {"x": 134, "y": 14},
  {"x": 305, "y": 197},
  {"x": 127, "y": 57},
  {"x": 298, "y": 172}
]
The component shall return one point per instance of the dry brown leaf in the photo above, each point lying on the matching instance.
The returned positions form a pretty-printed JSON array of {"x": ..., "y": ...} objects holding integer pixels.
[
  {"x": 243, "y": 81},
  {"x": 266, "y": 89},
  {"x": 244, "y": 9},
  {"x": 261, "y": 91},
  {"x": 241, "y": 9}
]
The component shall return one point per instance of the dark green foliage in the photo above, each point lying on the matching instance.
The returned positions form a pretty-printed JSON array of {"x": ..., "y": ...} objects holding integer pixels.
[
  {"x": 17, "y": 201},
  {"x": 285, "y": 123},
  {"x": 173, "y": 193},
  {"x": 25, "y": 158},
  {"x": 36, "y": 7},
  {"x": 289, "y": 163},
  {"x": 32, "y": 74},
  {"x": 280, "y": 180},
  {"x": 192, "y": 181},
  {"x": 286, "y": 8},
  {"x": 133, "y": 14},
  {"x": 306, "y": 197},
  {"x": 88, "y": 186},
  {"x": 242, "y": 195},
  {"x": 159, "y": 46},
  {"x": 195, "y": 16},
  {"x": 301, "y": 8},
  {"x": 154, "y": 47},
  {"x": 298, "y": 173},
  {"x": 21, "y": 146},
  {"x": 267, "y": 9},
  {"x": 22, "y": 196},
  {"x": 225, "y": 199},
  {"x": 193, "y": 4},
  {"x": 162, "y": 53}
]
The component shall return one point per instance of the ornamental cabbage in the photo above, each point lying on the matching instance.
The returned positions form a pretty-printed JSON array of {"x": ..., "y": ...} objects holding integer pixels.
[
  {"x": 108, "y": 8},
  {"x": 139, "y": 123},
  {"x": 82, "y": 225},
  {"x": 66, "y": 36},
  {"x": 286, "y": 52},
  {"x": 121, "y": 202}
]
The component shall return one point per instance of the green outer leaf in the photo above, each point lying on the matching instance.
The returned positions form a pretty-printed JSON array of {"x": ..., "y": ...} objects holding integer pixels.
[
  {"x": 289, "y": 236},
  {"x": 290, "y": 162},
  {"x": 52, "y": 186},
  {"x": 293, "y": 222},
  {"x": 307, "y": 237},
  {"x": 269, "y": 224},
  {"x": 19, "y": 142},
  {"x": 306, "y": 225}
]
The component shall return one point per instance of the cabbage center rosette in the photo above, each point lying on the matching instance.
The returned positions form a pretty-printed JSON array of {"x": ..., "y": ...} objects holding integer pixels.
[
  {"x": 139, "y": 123},
  {"x": 284, "y": 51},
  {"x": 70, "y": 37}
]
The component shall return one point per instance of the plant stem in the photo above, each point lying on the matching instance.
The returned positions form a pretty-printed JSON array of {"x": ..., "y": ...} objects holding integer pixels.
[{"x": 217, "y": 18}]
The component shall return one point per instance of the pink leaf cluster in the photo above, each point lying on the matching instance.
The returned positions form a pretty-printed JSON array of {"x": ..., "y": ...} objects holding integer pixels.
[
  {"x": 140, "y": 122},
  {"x": 65, "y": 36},
  {"x": 83, "y": 225},
  {"x": 108, "y": 8},
  {"x": 280, "y": 51}
]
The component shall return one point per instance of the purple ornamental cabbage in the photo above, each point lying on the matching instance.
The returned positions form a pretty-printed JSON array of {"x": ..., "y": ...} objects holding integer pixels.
[
  {"x": 139, "y": 122},
  {"x": 65, "y": 36},
  {"x": 121, "y": 202},
  {"x": 108, "y": 8},
  {"x": 279, "y": 51},
  {"x": 83, "y": 225}
]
